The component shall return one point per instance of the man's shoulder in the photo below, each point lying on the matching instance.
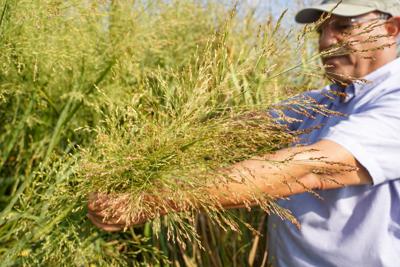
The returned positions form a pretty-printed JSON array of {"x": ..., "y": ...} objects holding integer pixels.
[
  {"x": 383, "y": 87},
  {"x": 385, "y": 80}
]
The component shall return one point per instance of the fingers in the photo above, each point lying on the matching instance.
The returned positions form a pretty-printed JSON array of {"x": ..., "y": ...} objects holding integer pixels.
[
  {"x": 106, "y": 209},
  {"x": 99, "y": 208},
  {"x": 112, "y": 225},
  {"x": 110, "y": 212},
  {"x": 97, "y": 201},
  {"x": 107, "y": 205},
  {"x": 98, "y": 221}
]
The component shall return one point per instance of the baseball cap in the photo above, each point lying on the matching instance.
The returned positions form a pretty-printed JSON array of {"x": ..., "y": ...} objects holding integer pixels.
[{"x": 348, "y": 8}]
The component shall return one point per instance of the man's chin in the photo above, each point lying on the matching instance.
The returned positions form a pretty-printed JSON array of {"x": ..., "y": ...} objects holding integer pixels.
[{"x": 338, "y": 77}]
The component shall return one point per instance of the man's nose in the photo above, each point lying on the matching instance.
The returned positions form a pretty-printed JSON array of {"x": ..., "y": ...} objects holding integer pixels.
[{"x": 328, "y": 38}]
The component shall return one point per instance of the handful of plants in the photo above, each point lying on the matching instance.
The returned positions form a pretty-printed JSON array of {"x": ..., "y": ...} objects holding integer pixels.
[
  {"x": 153, "y": 169},
  {"x": 145, "y": 169}
]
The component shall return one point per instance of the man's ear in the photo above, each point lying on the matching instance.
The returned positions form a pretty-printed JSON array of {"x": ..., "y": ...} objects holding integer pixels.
[{"x": 393, "y": 26}]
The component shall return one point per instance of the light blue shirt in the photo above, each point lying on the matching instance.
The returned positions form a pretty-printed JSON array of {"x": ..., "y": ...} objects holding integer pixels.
[{"x": 357, "y": 225}]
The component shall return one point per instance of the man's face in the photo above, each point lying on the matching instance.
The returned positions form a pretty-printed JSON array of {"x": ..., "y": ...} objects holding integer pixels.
[{"x": 357, "y": 41}]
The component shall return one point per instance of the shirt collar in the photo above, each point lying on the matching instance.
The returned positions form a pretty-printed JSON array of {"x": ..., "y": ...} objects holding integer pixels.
[{"x": 368, "y": 82}]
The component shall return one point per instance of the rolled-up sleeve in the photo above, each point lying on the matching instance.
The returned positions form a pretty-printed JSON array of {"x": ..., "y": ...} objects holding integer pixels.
[{"x": 372, "y": 135}]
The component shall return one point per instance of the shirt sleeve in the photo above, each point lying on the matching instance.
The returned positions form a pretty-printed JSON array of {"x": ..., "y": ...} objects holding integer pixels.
[{"x": 372, "y": 135}]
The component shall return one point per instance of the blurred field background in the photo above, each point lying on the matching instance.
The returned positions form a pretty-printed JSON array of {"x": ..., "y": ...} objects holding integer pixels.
[{"x": 81, "y": 77}]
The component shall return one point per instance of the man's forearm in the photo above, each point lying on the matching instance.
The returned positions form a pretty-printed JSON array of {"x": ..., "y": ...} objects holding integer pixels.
[{"x": 287, "y": 172}]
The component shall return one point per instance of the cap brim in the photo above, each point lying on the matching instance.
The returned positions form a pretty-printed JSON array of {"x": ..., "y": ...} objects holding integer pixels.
[{"x": 312, "y": 14}]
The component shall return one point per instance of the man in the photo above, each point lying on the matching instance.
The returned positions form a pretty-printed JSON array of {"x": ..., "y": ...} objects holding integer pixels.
[{"x": 356, "y": 220}]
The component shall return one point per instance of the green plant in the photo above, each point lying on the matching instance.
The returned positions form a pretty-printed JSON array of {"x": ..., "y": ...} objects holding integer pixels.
[{"x": 124, "y": 96}]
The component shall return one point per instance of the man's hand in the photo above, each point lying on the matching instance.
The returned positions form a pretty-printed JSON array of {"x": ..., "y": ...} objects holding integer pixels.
[
  {"x": 117, "y": 212},
  {"x": 109, "y": 212}
]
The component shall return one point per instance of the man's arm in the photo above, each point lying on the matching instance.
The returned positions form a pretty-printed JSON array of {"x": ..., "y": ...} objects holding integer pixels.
[{"x": 323, "y": 165}]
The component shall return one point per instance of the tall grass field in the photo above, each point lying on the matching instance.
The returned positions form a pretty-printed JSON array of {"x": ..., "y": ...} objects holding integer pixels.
[{"x": 140, "y": 97}]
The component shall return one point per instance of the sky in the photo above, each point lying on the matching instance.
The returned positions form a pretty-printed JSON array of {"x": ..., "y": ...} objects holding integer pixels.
[{"x": 276, "y": 7}]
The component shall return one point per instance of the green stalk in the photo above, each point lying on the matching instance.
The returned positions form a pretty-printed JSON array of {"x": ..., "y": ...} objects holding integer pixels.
[
  {"x": 3, "y": 12},
  {"x": 70, "y": 110},
  {"x": 16, "y": 133}
]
